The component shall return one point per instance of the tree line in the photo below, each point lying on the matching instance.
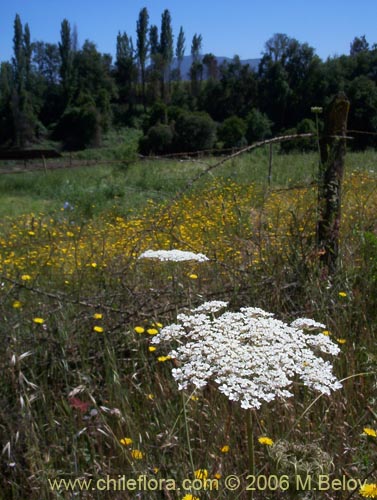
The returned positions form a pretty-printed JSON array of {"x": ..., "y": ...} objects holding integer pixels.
[{"x": 75, "y": 94}]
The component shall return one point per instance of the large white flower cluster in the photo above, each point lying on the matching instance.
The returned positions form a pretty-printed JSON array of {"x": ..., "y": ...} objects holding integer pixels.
[
  {"x": 173, "y": 255},
  {"x": 250, "y": 355}
]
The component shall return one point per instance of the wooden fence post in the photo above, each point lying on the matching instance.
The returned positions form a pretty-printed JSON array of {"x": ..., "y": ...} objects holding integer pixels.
[{"x": 333, "y": 151}]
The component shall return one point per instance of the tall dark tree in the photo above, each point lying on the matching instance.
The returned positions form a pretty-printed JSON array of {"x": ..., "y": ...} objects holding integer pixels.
[
  {"x": 27, "y": 54},
  {"x": 166, "y": 47},
  {"x": 154, "y": 46},
  {"x": 156, "y": 67},
  {"x": 125, "y": 70},
  {"x": 359, "y": 44},
  {"x": 210, "y": 62},
  {"x": 142, "y": 46},
  {"x": 196, "y": 70},
  {"x": 180, "y": 50},
  {"x": 66, "y": 57},
  {"x": 6, "y": 112},
  {"x": 22, "y": 109}
]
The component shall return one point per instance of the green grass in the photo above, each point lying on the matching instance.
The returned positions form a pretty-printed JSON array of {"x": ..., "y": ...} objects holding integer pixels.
[
  {"x": 92, "y": 190},
  {"x": 121, "y": 388}
]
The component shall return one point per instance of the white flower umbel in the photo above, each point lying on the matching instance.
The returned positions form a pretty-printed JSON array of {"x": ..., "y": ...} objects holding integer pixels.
[
  {"x": 173, "y": 255},
  {"x": 250, "y": 355}
]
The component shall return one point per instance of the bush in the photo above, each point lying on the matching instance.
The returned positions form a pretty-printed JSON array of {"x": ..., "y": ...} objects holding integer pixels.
[
  {"x": 79, "y": 128},
  {"x": 232, "y": 132},
  {"x": 303, "y": 145},
  {"x": 258, "y": 126},
  {"x": 158, "y": 140},
  {"x": 194, "y": 132}
]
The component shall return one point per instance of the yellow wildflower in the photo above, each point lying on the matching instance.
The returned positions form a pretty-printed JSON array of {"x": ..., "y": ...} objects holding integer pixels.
[
  {"x": 225, "y": 449},
  {"x": 342, "y": 294},
  {"x": 39, "y": 321},
  {"x": 162, "y": 359},
  {"x": 193, "y": 276},
  {"x": 97, "y": 316},
  {"x": 126, "y": 441},
  {"x": 370, "y": 432},
  {"x": 17, "y": 304},
  {"x": 201, "y": 473},
  {"x": 137, "y": 454},
  {"x": 152, "y": 348},
  {"x": 98, "y": 329},
  {"x": 139, "y": 329},
  {"x": 26, "y": 277},
  {"x": 152, "y": 331},
  {"x": 265, "y": 440},
  {"x": 368, "y": 490}
]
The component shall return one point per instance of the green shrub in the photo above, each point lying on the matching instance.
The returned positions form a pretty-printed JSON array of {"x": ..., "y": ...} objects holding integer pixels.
[
  {"x": 79, "y": 127},
  {"x": 194, "y": 132},
  {"x": 158, "y": 140},
  {"x": 232, "y": 132},
  {"x": 303, "y": 145},
  {"x": 258, "y": 126}
]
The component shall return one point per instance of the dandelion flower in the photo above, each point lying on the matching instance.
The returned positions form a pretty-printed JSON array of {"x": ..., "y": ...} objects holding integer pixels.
[
  {"x": 126, "y": 441},
  {"x": 152, "y": 331},
  {"x": 368, "y": 490},
  {"x": 370, "y": 432},
  {"x": 162, "y": 359},
  {"x": 225, "y": 449},
  {"x": 265, "y": 440},
  {"x": 342, "y": 294},
  {"x": 38, "y": 321},
  {"x": 139, "y": 329},
  {"x": 16, "y": 304},
  {"x": 97, "y": 316},
  {"x": 137, "y": 454},
  {"x": 98, "y": 329},
  {"x": 201, "y": 473}
]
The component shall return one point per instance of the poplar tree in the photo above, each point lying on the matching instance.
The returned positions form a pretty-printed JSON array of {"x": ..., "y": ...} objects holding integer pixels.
[
  {"x": 66, "y": 56},
  {"x": 180, "y": 50},
  {"x": 142, "y": 46},
  {"x": 166, "y": 46},
  {"x": 22, "y": 110}
]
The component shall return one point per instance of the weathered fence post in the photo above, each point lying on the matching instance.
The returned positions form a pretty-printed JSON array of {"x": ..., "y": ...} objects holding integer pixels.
[{"x": 333, "y": 151}]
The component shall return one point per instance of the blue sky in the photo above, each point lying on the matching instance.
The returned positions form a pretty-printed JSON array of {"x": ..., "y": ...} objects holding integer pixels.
[{"x": 228, "y": 27}]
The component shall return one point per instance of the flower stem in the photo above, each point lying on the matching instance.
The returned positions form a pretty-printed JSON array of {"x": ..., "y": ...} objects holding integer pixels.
[
  {"x": 187, "y": 432},
  {"x": 250, "y": 446}
]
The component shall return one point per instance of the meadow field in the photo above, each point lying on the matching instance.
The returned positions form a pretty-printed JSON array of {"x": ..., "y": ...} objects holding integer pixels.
[{"x": 87, "y": 393}]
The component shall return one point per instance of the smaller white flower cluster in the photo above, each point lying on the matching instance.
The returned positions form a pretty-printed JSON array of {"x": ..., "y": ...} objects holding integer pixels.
[
  {"x": 307, "y": 324},
  {"x": 173, "y": 255},
  {"x": 250, "y": 355}
]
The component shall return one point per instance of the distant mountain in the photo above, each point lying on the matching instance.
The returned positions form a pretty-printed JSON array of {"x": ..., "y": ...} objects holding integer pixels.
[{"x": 187, "y": 61}]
